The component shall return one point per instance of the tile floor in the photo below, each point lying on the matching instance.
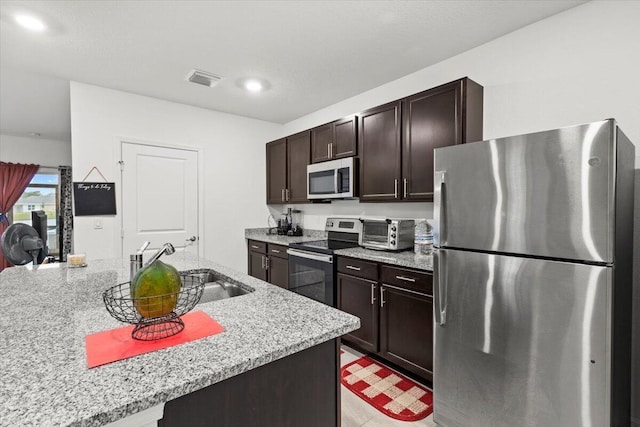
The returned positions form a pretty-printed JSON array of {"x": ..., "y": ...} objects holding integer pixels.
[{"x": 358, "y": 413}]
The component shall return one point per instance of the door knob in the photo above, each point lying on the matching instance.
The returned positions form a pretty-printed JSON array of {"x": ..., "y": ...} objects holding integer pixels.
[{"x": 192, "y": 239}]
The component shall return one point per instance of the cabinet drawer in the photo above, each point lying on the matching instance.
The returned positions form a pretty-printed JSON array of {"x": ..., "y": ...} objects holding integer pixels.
[
  {"x": 278, "y": 251},
  {"x": 358, "y": 268},
  {"x": 255, "y": 246},
  {"x": 410, "y": 279}
]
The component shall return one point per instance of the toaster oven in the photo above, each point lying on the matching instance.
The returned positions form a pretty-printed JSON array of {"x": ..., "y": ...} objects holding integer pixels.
[{"x": 387, "y": 234}]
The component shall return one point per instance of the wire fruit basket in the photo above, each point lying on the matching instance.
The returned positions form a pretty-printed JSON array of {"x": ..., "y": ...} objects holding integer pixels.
[{"x": 162, "y": 312}]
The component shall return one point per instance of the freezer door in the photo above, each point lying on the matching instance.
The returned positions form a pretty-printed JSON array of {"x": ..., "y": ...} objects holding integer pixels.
[
  {"x": 523, "y": 342},
  {"x": 544, "y": 194}
]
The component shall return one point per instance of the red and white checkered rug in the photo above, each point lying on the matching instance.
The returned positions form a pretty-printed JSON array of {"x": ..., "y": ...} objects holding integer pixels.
[{"x": 389, "y": 392}]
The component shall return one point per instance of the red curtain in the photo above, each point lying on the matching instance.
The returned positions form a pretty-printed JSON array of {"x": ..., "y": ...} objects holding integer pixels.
[{"x": 14, "y": 178}]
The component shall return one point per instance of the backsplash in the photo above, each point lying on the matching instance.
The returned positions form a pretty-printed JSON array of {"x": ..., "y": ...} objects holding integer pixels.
[{"x": 315, "y": 214}]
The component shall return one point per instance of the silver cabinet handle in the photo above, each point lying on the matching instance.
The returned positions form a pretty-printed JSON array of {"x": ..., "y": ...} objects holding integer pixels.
[
  {"x": 331, "y": 150},
  {"x": 275, "y": 251},
  {"x": 440, "y": 309},
  {"x": 386, "y": 285},
  {"x": 395, "y": 188},
  {"x": 351, "y": 267},
  {"x": 262, "y": 264},
  {"x": 310, "y": 255},
  {"x": 405, "y": 188},
  {"x": 373, "y": 294},
  {"x": 255, "y": 247},
  {"x": 282, "y": 196},
  {"x": 406, "y": 279},
  {"x": 382, "y": 301},
  {"x": 266, "y": 263},
  {"x": 328, "y": 151},
  {"x": 438, "y": 208},
  {"x": 287, "y": 194}
]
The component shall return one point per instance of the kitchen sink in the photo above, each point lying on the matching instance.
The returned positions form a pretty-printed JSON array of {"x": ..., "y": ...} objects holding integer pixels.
[
  {"x": 215, "y": 291},
  {"x": 217, "y": 286}
]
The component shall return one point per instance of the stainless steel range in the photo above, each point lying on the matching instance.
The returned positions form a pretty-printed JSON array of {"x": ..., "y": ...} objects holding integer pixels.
[{"x": 312, "y": 271}]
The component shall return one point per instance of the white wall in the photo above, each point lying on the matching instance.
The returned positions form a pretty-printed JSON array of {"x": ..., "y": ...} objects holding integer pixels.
[
  {"x": 46, "y": 152},
  {"x": 578, "y": 66},
  {"x": 234, "y": 173}
]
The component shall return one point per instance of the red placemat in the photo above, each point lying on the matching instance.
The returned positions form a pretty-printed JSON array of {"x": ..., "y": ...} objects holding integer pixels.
[
  {"x": 117, "y": 344},
  {"x": 389, "y": 392}
]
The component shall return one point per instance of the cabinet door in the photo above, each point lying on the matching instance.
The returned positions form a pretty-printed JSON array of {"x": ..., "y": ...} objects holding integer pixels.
[
  {"x": 279, "y": 271},
  {"x": 360, "y": 298},
  {"x": 321, "y": 137},
  {"x": 432, "y": 119},
  {"x": 406, "y": 329},
  {"x": 256, "y": 266},
  {"x": 298, "y": 157},
  {"x": 344, "y": 138},
  {"x": 379, "y": 145},
  {"x": 276, "y": 171}
]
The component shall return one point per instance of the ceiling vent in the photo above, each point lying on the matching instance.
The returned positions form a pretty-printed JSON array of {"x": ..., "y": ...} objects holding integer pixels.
[{"x": 203, "y": 78}]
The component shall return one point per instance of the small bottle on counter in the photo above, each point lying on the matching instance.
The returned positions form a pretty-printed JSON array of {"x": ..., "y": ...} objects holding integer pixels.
[{"x": 423, "y": 238}]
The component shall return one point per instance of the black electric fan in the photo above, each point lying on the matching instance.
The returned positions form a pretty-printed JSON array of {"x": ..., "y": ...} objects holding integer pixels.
[{"x": 21, "y": 244}]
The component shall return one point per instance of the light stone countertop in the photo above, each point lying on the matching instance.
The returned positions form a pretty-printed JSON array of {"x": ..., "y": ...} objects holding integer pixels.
[
  {"x": 47, "y": 312},
  {"x": 260, "y": 234},
  {"x": 402, "y": 259}
]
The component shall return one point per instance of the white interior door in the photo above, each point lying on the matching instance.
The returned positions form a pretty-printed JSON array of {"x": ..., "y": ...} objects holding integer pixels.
[{"x": 159, "y": 197}]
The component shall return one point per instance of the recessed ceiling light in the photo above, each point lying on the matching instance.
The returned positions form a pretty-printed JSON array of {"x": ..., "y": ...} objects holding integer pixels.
[
  {"x": 30, "y": 22},
  {"x": 253, "y": 85}
]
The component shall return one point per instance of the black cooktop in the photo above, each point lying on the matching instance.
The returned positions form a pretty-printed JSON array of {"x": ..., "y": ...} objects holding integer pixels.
[{"x": 325, "y": 246}]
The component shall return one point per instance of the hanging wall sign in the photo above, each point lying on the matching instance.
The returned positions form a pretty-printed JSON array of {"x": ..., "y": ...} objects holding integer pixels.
[{"x": 94, "y": 198}]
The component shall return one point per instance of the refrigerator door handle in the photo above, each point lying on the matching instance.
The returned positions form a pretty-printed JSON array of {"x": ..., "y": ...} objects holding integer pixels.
[
  {"x": 439, "y": 294},
  {"x": 438, "y": 207}
]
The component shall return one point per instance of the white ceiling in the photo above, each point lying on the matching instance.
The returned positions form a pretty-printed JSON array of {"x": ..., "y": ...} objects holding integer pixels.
[{"x": 314, "y": 53}]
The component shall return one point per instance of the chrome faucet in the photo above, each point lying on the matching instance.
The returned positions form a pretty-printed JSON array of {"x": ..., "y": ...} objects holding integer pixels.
[
  {"x": 135, "y": 260},
  {"x": 167, "y": 248}
]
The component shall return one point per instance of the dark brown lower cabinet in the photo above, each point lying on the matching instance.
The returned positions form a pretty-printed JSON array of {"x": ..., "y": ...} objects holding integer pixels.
[
  {"x": 358, "y": 296},
  {"x": 268, "y": 262},
  {"x": 257, "y": 265},
  {"x": 406, "y": 329},
  {"x": 395, "y": 307},
  {"x": 298, "y": 390},
  {"x": 279, "y": 271}
]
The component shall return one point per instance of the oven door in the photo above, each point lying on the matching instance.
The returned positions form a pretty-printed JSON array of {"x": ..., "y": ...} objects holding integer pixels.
[{"x": 311, "y": 274}]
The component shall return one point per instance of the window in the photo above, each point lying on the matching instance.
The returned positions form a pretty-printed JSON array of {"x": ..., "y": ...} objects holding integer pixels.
[{"x": 42, "y": 193}]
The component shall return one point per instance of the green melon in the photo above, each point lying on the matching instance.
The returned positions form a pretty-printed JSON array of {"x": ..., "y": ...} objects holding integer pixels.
[{"x": 154, "y": 289}]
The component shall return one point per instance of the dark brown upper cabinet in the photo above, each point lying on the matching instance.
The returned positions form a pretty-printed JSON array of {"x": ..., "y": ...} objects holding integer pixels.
[
  {"x": 287, "y": 161},
  {"x": 298, "y": 157},
  {"x": 379, "y": 145},
  {"x": 321, "y": 139},
  {"x": 334, "y": 140},
  {"x": 446, "y": 115},
  {"x": 276, "y": 171},
  {"x": 396, "y": 140}
]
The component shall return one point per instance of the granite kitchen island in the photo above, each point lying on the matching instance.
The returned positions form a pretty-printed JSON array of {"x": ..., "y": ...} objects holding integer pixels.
[{"x": 48, "y": 311}]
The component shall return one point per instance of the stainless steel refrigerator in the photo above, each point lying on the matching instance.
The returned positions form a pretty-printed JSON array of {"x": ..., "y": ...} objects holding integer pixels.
[{"x": 532, "y": 279}]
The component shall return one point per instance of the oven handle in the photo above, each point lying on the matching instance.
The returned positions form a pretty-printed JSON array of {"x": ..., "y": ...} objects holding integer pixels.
[{"x": 310, "y": 255}]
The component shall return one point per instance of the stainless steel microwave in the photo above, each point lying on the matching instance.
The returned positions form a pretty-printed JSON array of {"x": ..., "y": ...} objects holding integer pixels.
[{"x": 331, "y": 180}]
